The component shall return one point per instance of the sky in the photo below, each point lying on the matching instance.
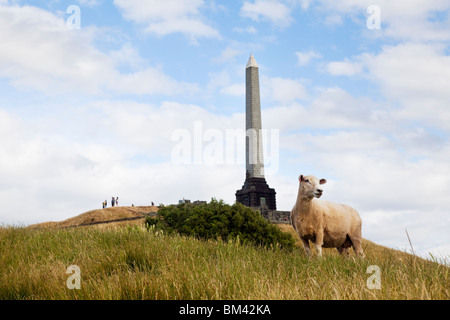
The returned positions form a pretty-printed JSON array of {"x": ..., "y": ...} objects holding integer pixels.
[{"x": 145, "y": 100}]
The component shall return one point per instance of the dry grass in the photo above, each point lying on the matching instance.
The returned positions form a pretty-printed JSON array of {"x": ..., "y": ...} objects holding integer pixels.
[
  {"x": 101, "y": 215},
  {"x": 133, "y": 263}
]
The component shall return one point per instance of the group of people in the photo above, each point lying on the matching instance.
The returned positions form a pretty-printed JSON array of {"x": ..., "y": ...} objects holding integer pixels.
[{"x": 114, "y": 202}]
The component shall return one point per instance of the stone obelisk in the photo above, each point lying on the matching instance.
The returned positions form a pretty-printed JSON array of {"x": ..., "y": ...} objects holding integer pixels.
[
  {"x": 254, "y": 151},
  {"x": 255, "y": 193}
]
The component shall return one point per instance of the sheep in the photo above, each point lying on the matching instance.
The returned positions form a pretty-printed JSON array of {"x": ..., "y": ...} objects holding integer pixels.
[{"x": 326, "y": 224}]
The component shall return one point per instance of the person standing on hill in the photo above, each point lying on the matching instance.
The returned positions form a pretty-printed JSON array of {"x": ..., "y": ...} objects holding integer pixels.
[
  {"x": 113, "y": 201},
  {"x": 117, "y": 201}
]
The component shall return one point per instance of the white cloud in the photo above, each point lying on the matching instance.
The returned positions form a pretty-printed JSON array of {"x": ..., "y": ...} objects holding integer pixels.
[
  {"x": 149, "y": 81},
  {"x": 304, "y": 58},
  {"x": 413, "y": 20},
  {"x": 218, "y": 80},
  {"x": 89, "y": 3},
  {"x": 303, "y": 3},
  {"x": 42, "y": 174},
  {"x": 171, "y": 16},
  {"x": 250, "y": 30},
  {"x": 150, "y": 127},
  {"x": 222, "y": 82},
  {"x": 331, "y": 109},
  {"x": 39, "y": 50},
  {"x": 274, "y": 11},
  {"x": 283, "y": 90},
  {"x": 412, "y": 76},
  {"x": 46, "y": 171},
  {"x": 229, "y": 53},
  {"x": 333, "y": 20},
  {"x": 237, "y": 90},
  {"x": 41, "y": 53},
  {"x": 415, "y": 76},
  {"x": 344, "y": 68},
  {"x": 278, "y": 12}
]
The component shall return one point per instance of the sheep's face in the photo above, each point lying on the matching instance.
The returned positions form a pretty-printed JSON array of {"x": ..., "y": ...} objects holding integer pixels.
[{"x": 310, "y": 186}]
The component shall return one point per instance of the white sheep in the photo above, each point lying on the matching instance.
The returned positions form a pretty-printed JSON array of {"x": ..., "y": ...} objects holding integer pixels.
[{"x": 326, "y": 224}]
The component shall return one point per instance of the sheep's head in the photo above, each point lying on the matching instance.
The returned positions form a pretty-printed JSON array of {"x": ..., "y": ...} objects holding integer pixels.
[{"x": 310, "y": 186}]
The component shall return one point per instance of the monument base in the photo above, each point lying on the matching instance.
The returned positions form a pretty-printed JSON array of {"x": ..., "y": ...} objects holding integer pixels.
[{"x": 256, "y": 194}]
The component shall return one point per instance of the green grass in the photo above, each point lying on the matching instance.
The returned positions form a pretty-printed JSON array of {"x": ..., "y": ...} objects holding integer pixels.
[{"x": 133, "y": 263}]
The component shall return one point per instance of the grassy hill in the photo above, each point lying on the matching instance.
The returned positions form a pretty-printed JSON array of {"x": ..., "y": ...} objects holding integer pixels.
[
  {"x": 129, "y": 262},
  {"x": 113, "y": 216}
]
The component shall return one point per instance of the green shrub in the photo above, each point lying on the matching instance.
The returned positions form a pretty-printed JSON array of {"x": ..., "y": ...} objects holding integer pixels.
[{"x": 217, "y": 220}]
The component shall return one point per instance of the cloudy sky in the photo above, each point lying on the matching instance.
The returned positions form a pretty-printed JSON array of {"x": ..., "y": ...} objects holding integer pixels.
[{"x": 143, "y": 99}]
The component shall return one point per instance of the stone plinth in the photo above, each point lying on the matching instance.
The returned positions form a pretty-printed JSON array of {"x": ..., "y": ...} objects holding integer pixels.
[{"x": 255, "y": 193}]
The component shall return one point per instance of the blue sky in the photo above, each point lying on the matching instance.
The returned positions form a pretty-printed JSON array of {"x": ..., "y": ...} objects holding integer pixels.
[{"x": 95, "y": 112}]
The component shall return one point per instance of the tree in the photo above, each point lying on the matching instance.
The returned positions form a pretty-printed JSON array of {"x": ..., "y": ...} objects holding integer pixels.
[{"x": 217, "y": 220}]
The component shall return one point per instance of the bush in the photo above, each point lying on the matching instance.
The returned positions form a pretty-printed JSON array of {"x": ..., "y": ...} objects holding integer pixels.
[{"x": 217, "y": 220}]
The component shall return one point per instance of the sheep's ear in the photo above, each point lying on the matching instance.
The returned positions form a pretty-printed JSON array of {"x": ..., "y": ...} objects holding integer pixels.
[
  {"x": 323, "y": 181},
  {"x": 300, "y": 178}
]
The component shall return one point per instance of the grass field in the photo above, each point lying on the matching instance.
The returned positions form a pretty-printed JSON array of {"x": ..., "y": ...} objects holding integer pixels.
[{"x": 129, "y": 262}]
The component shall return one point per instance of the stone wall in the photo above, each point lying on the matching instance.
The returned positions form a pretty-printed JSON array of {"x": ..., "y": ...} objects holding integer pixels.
[{"x": 275, "y": 216}]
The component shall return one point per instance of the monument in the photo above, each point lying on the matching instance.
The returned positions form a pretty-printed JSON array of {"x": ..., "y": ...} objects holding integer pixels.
[{"x": 255, "y": 192}]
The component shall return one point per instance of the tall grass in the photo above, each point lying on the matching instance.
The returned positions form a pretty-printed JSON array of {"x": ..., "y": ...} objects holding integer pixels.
[{"x": 133, "y": 263}]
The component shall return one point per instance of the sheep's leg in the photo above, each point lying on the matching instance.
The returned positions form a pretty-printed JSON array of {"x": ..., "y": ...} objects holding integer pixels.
[
  {"x": 343, "y": 251},
  {"x": 319, "y": 242},
  {"x": 344, "y": 248},
  {"x": 319, "y": 250},
  {"x": 305, "y": 243},
  {"x": 357, "y": 247},
  {"x": 356, "y": 239},
  {"x": 358, "y": 250}
]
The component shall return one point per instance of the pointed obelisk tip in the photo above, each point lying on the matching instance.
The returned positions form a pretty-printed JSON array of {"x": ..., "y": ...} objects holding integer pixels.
[{"x": 251, "y": 62}]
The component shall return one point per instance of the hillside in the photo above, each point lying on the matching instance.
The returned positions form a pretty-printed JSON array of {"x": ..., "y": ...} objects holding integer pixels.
[
  {"x": 128, "y": 261},
  {"x": 133, "y": 263},
  {"x": 135, "y": 216},
  {"x": 110, "y": 216}
]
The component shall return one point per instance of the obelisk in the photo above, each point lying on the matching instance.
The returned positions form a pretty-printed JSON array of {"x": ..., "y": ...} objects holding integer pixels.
[
  {"x": 254, "y": 151},
  {"x": 255, "y": 192}
]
